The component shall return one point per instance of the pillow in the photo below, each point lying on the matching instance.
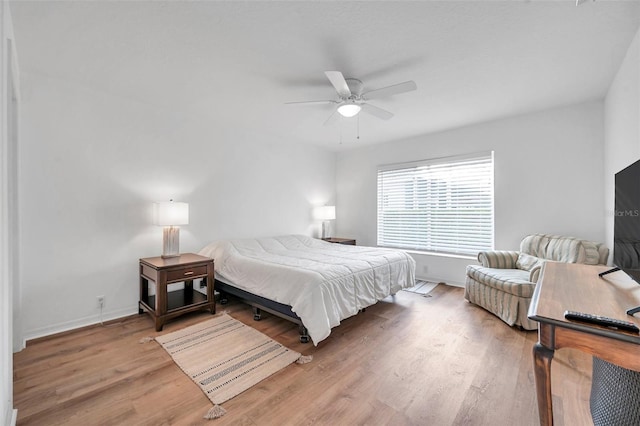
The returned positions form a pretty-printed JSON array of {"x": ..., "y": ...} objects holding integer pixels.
[
  {"x": 591, "y": 253},
  {"x": 526, "y": 262}
]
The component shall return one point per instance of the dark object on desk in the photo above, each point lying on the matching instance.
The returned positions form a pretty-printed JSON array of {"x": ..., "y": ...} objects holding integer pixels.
[
  {"x": 609, "y": 271},
  {"x": 600, "y": 320},
  {"x": 615, "y": 392}
]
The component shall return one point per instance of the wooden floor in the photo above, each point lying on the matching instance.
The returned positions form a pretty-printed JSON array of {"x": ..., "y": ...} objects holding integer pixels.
[{"x": 409, "y": 360}]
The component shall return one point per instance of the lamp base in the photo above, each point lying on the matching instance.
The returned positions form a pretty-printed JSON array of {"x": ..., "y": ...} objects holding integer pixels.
[
  {"x": 170, "y": 242},
  {"x": 326, "y": 229}
]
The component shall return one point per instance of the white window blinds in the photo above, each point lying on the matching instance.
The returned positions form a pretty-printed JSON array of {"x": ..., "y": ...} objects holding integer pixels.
[{"x": 441, "y": 205}]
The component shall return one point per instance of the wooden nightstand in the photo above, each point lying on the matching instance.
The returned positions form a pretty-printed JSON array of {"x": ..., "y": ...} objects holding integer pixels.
[
  {"x": 184, "y": 268},
  {"x": 345, "y": 241}
]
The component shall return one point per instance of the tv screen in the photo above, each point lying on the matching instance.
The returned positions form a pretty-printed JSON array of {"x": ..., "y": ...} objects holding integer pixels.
[{"x": 626, "y": 234}]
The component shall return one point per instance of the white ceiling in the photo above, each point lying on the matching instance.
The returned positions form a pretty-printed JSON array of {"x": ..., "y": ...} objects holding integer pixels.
[{"x": 236, "y": 63}]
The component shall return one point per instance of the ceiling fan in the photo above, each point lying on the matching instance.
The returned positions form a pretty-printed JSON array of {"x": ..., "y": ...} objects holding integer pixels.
[{"x": 352, "y": 99}]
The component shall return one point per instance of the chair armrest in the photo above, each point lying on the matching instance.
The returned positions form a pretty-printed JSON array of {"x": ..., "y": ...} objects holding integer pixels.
[
  {"x": 501, "y": 259},
  {"x": 534, "y": 274}
]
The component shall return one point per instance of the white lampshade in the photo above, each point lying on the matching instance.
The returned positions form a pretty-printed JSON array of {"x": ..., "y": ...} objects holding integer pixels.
[
  {"x": 349, "y": 109},
  {"x": 324, "y": 212},
  {"x": 170, "y": 213}
]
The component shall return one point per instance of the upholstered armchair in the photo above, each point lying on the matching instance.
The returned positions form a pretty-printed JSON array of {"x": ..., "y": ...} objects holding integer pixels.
[{"x": 504, "y": 281}]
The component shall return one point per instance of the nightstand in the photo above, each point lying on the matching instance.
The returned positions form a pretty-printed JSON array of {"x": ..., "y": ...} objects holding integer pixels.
[
  {"x": 164, "y": 305},
  {"x": 345, "y": 241}
]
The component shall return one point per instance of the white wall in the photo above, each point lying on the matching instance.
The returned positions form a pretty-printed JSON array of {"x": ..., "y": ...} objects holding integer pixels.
[
  {"x": 91, "y": 165},
  {"x": 548, "y": 178},
  {"x": 8, "y": 258},
  {"x": 622, "y": 126}
]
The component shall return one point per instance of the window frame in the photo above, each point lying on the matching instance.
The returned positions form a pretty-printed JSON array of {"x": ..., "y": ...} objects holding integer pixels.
[{"x": 433, "y": 240}]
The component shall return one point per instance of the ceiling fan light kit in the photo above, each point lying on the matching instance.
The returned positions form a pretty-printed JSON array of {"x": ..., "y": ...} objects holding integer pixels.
[{"x": 349, "y": 109}]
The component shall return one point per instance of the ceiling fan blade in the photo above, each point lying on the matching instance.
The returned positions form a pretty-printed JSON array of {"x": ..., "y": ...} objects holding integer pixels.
[
  {"x": 312, "y": 102},
  {"x": 376, "y": 111},
  {"x": 339, "y": 83},
  {"x": 332, "y": 118},
  {"x": 407, "y": 86}
]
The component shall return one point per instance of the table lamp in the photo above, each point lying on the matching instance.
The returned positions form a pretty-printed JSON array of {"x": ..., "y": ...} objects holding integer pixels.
[
  {"x": 170, "y": 215},
  {"x": 325, "y": 214}
]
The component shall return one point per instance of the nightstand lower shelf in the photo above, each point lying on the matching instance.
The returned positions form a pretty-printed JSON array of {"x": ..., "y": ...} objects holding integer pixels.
[{"x": 180, "y": 300}]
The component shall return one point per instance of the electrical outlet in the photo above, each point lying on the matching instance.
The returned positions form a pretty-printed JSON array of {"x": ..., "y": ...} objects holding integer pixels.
[{"x": 100, "y": 302}]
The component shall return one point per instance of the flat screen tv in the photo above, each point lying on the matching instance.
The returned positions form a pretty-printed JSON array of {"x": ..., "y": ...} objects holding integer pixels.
[{"x": 626, "y": 233}]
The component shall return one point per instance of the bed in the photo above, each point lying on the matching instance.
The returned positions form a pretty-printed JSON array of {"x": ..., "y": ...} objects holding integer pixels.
[{"x": 308, "y": 281}]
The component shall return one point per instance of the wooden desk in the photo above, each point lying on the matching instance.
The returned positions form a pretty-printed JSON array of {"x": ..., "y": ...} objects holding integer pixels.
[{"x": 575, "y": 287}]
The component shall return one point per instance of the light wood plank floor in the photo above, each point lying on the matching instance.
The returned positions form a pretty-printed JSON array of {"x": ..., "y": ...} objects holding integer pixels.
[{"x": 409, "y": 360}]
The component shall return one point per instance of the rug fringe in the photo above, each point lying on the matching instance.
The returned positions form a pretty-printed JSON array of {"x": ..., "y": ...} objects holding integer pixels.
[
  {"x": 304, "y": 359},
  {"x": 146, "y": 339},
  {"x": 215, "y": 412}
]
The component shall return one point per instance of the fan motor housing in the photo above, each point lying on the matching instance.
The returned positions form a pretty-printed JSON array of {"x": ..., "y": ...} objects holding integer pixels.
[{"x": 355, "y": 86}]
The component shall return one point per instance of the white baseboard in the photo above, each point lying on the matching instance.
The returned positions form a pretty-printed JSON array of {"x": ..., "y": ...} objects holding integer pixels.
[
  {"x": 441, "y": 280},
  {"x": 95, "y": 319},
  {"x": 82, "y": 322},
  {"x": 10, "y": 417}
]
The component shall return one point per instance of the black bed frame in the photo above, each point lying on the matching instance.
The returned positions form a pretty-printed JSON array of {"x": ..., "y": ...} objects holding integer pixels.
[{"x": 260, "y": 304}]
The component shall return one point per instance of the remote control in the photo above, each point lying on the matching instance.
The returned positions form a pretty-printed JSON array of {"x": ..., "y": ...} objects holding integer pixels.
[{"x": 605, "y": 321}]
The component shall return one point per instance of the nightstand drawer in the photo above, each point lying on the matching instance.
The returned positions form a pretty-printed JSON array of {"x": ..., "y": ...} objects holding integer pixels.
[{"x": 186, "y": 273}]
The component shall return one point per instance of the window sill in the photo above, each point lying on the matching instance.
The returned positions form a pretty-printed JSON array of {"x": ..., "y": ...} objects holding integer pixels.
[{"x": 437, "y": 254}]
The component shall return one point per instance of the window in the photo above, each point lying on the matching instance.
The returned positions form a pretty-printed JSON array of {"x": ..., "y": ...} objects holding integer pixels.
[{"x": 442, "y": 205}]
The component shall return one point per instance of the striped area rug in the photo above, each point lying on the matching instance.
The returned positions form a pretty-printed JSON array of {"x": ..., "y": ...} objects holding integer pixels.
[{"x": 225, "y": 357}]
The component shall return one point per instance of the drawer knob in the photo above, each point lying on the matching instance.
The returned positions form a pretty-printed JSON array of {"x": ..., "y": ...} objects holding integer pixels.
[{"x": 189, "y": 273}]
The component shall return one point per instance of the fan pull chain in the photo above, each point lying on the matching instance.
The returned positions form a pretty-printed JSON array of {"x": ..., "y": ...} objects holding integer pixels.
[
  {"x": 341, "y": 121},
  {"x": 358, "y": 135}
]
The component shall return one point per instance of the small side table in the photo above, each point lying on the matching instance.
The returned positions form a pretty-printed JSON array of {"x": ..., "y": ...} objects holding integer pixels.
[
  {"x": 185, "y": 268},
  {"x": 345, "y": 241}
]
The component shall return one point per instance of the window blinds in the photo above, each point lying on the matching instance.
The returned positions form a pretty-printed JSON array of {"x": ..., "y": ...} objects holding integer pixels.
[{"x": 441, "y": 205}]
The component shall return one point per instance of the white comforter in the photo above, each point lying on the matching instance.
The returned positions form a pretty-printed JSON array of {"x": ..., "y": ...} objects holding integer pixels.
[{"x": 323, "y": 283}]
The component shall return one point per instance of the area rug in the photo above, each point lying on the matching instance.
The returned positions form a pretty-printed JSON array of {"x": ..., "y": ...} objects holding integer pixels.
[
  {"x": 225, "y": 357},
  {"x": 422, "y": 287}
]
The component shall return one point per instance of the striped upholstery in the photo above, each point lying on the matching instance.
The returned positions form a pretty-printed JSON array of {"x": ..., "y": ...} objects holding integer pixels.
[
  {"x": 504, "y": 281},
  {"x": 526, "y": 262},
  {"x": 564, "y": 249},
  {"x": 508, "y": 307},
  {"x": 512, "y": 281},
  {"x": 498, "y": 259}
]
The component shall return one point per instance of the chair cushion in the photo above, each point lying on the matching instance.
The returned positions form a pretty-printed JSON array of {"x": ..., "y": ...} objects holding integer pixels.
[
  {"x": 512, "y": 281},
  {"x": 591, "y": 253},
  {"x": 526, "y": 262}
]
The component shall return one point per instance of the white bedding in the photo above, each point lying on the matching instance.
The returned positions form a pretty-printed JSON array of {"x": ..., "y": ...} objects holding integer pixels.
[{"x": 323, "y": 283}]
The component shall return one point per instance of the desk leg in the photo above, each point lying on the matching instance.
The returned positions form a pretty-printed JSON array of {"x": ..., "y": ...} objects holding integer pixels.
[{"x": 542, "y": 357}]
